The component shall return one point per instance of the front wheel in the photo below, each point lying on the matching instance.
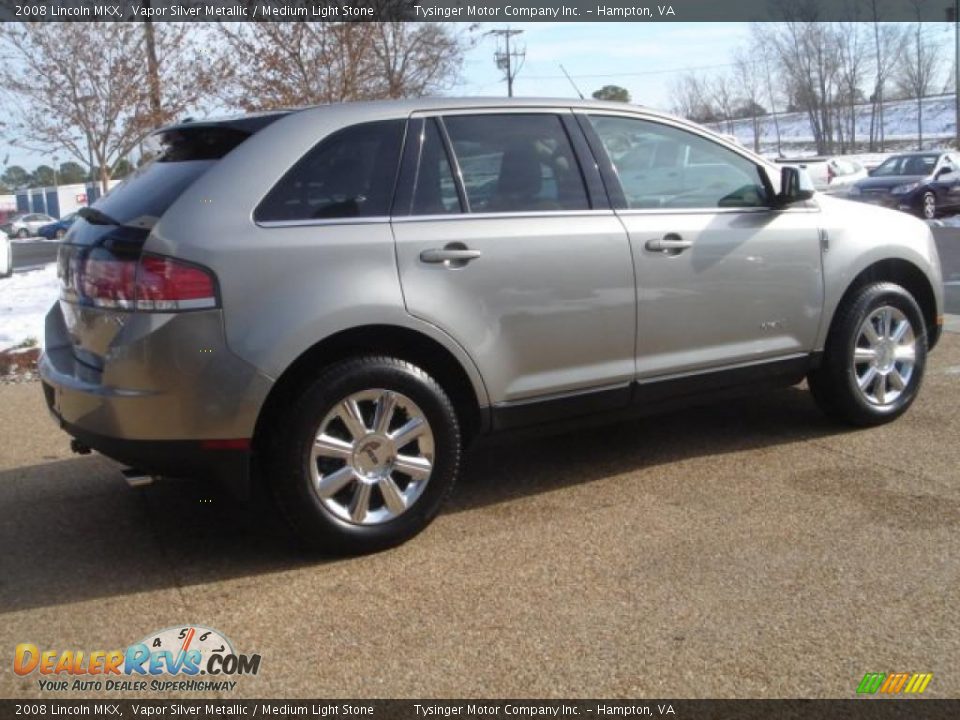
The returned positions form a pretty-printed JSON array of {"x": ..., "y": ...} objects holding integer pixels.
[
  {"x": 874, "y": 358},
  {"x": 23, "y": 233},
  {"x": 366, "y": 456},
  {"x": 928, "y": 206}
]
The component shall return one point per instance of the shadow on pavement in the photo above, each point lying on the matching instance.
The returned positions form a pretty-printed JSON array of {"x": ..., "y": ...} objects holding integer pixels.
[{"x": 72, "y": 530}]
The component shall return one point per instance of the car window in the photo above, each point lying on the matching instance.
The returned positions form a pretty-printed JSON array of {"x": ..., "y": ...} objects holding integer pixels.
[
  {"x": 435, "y": 191},
  {"x": 906, "y": 165},
  {"x": 664, "y": 167},
  {"x": 516, "y": 163},
  {"x": 349, "y": 174}
]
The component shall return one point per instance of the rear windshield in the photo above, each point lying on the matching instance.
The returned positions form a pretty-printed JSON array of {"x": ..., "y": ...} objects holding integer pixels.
[{"x": 125, "y": 215}]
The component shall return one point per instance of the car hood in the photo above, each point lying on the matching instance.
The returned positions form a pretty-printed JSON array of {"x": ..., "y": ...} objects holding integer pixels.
[{"x": 889, "y": 181}]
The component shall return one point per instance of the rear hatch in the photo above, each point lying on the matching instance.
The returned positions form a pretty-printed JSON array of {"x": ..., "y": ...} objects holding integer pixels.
[{"x": 105, "y": 273}]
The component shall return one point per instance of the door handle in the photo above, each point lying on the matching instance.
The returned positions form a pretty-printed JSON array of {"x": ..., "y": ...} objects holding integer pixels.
[
  {"x": 671, "y": 243},
  {"x": 453, "y": 255}
]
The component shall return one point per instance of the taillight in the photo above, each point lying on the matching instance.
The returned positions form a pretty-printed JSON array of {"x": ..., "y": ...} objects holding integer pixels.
[
  {"x": 165, "y": 284},
  {"x": 151, "y": 284}
]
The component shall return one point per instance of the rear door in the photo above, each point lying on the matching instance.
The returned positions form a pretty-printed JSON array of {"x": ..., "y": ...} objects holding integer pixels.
[
  {"x": 722, "y": 279},
  {"x": 507, "y": 243}
]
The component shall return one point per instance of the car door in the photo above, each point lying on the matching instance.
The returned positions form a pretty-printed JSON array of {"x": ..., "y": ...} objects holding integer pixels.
[
  {"x": 723, "y": 280},
  {"x": 506, "y": 243}
]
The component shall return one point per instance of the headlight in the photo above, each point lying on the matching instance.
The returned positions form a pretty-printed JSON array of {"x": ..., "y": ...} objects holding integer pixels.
[{"x": 904, "y": 189}]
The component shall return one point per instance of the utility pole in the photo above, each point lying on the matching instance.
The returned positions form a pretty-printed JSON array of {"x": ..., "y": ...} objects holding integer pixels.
[{"x": 505, "y": 57}]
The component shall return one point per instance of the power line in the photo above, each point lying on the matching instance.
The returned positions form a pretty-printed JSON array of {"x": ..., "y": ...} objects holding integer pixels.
[{"x": 630, "y": 74}]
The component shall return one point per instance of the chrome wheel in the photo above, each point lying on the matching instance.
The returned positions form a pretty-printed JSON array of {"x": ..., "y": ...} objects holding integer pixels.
[
  {"x": 372, "y": 457},
  {"x": 884, "y": 356},
  {"x": 929, "y": 206}
]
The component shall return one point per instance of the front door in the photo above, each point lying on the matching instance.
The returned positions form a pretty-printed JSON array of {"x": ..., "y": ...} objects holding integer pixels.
[{"x": 722, "y": 280}]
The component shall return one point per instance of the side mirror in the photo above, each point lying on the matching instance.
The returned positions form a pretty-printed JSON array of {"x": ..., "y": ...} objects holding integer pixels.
[
  {"x": 945, "y": 170},
  {"x": 795, "y": 186}
]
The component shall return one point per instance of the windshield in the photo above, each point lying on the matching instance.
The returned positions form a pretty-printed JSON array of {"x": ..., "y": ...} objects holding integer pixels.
[{"x": 906, "y": 165}]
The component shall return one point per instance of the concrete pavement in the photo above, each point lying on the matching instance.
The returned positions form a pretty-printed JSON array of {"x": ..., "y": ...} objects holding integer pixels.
[{"x": 746, "y": 549}]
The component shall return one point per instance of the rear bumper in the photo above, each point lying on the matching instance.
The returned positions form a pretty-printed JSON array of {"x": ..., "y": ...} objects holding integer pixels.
[
  {"x": 167, "y": 392},
  {"x": 170, "y": 458}
]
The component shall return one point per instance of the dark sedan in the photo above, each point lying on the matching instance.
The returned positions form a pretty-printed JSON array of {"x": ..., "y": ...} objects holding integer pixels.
[
  {"x": 922, "y": 183},
  {"x": 56, "y": 230}
]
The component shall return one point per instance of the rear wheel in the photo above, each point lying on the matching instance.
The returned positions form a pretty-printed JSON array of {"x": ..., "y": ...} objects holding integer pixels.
[
  {"x": 928, "y": 206},
  {"x": 23, "y": 233},
  {"x": 366, "y": 456},
  {"x": 875, "y": 357}
]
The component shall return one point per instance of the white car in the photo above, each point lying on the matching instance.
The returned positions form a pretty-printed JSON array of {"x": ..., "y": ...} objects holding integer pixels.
[
  {"x": 6, "y": 256},
  {"x": 829, "y": 174}
]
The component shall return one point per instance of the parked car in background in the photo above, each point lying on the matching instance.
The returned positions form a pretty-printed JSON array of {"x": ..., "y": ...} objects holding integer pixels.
[
  {"x": 922, "y": 183},
  {"x": 6, "y": 256},
  {"x": 57, "y": 229},
  {"x": 829, "y": 173},
  {"x": 26, "y": 225},
  {"x": 381, "y": 283}
]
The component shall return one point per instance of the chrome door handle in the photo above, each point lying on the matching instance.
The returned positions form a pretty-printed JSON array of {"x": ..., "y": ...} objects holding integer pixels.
[
  {"x": 454, "y": 255},
  {"x": 671, "y": 243}
]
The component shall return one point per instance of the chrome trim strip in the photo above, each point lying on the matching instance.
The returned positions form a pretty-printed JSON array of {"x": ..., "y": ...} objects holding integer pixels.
[
  {"x": 371, "y": 220},
  {"x": 653, "y": 379},
  {"x": 503, "y": 215}
]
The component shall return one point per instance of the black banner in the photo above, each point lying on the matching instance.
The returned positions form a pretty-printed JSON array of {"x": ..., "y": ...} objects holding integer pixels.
[
  {"x": 471, "y": 11},
  {"x": 858, "y": 709}
]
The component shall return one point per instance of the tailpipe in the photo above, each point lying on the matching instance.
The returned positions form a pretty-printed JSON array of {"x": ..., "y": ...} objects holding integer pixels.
[{"x": 137, "y": 478}]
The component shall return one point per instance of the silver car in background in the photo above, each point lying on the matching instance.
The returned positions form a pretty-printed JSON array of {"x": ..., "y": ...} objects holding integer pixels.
[{"x": 334, "y": 302}]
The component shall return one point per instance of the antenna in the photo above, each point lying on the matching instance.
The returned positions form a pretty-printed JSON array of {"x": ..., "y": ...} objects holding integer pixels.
[{"x": 572, "y": 82}]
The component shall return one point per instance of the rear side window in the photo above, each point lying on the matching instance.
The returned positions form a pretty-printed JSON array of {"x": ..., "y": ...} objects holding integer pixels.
[
  {"x": 348, "y": 174},
  {"x": 436, "y": 191},
  {"x": 516, "y": 163}
]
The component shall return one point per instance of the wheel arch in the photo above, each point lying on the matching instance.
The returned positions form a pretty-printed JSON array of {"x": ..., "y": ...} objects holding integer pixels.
[
  {"x": 400, "y": 342},
  {"x": 907, "y": 275}
]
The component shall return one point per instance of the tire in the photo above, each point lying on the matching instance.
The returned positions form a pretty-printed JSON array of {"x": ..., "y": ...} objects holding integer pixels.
[
  {"x": 866, "y": 383},
  {"x": 60, "y": 234},
  {"x": 347, "y": 468},
  {"x": 928, "y": 206},
  {"x": 23, "y": 233}
]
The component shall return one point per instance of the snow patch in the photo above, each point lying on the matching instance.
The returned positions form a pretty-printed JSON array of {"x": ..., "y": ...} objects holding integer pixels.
[{"x": 25, "y": 299}]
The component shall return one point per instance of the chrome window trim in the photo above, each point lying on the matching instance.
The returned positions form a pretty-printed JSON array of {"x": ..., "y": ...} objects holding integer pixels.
[
  {"x": 531, "y": 214},
  {"x": 308, "y": 222}
]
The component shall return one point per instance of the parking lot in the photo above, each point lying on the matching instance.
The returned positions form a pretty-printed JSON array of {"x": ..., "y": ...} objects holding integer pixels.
[{"x": 747, "y": 549}]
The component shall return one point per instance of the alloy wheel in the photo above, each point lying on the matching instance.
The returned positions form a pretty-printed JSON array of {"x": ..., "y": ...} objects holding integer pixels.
[
  {"x": 929, "y": 206},
  {"x": 884, "y": 356},
  {"x": 372, "y": 457}
]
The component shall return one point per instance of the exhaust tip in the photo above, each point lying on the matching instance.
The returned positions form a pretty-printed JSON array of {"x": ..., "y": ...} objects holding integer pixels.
[
  {"x": 79, "y": 448},
  {"x": 136, "y": 478}
]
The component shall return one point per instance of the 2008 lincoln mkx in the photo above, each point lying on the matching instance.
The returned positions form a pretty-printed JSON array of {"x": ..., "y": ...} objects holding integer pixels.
[{"x": 343, "y": 297}]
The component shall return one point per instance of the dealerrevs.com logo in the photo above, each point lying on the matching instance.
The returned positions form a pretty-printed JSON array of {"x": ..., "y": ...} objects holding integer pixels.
[{"x": 171, "y": 660}]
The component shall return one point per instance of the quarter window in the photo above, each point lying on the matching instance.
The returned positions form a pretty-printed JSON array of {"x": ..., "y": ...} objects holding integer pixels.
[
  {"x": 664, "y": 167},
  {"x": 435, "y": 192},
  {"x": 349, "y": 174},
  {"x": 516, "y": 163}
]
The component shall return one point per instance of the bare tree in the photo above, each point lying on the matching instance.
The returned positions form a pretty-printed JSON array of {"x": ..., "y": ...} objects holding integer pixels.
[
  {"x": 764, "y": 52},
  {"x": 723, "y": 92},
  {"x": 921, "y": 68},
  {"x": 851, "y": 55},
  {"x": 888, "y": 46},
  {"x": 749, "y": 86},
  {"x": 83, "y": 87},
  {"x": 692, "y": 98},
  {"x": 298, "y": 63}
]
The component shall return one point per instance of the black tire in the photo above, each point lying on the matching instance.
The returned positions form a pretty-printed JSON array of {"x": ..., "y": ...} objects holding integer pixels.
[
  {"x": 23, "y": 233},
  {"x": 834, "y": 384},
  {"x": 289, "y": 472},
  {"x": 928, "y": 212},
  {"x": 60, "y": 233}
]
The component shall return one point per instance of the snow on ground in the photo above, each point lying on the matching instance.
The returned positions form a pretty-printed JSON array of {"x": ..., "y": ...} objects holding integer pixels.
[
  {"x": 25, "y": 299},
  {"x": 900, "y": 126}
]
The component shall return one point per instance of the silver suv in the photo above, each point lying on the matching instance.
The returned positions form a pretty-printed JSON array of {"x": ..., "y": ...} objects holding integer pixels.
[{"x": 335, "y": 301}]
